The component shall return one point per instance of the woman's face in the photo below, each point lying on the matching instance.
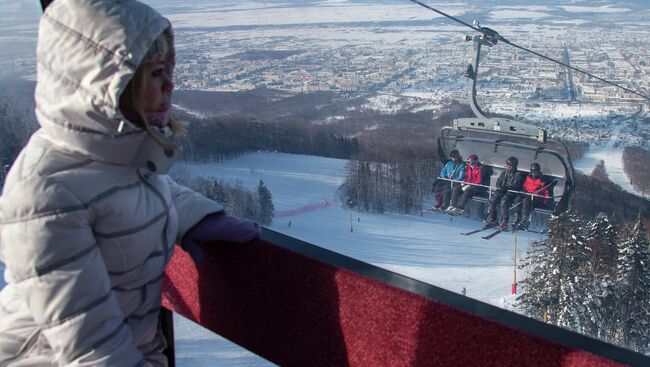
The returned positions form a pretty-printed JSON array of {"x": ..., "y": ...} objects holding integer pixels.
[{"x": 158, "y": 85}]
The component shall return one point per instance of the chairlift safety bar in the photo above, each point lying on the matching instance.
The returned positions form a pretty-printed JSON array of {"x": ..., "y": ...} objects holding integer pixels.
[{"x": 493, "y": 188}]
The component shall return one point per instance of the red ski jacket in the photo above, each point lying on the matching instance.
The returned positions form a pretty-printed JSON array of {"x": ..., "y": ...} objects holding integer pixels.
[
  {"x": 536, "y": 186},
  {"x": 474, "y": 174}
]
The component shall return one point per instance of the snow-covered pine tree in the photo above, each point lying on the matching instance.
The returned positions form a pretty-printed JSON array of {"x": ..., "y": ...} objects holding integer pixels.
[
  {"x": 602, "y": 240},
  {"x": 217, "y": 192},
  {"x": 575, "y": 274},
  {"x": 634, "y": 289},
  {"x": 539, "y": 292},
  {"x": 264, "y": 204},
  {"x": 602, "y": 252},
  {"x": 543, "y": 272},
  {"x": 557, "y": 279}
]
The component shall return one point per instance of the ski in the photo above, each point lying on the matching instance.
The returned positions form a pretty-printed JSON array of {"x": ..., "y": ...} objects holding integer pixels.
[
  {"x": 431, "y": 211},
  {"x": 491, "y": 235},
  {"x": 474, "y": 231}
]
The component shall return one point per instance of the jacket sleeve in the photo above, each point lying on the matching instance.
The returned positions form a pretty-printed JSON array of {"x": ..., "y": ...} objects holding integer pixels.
[
  {"x": 500, "y": 180},
  {"x": 519, "y": 181},
  {"x": 460, "y": 172},
  {"x": 545, "y": 191},
  {"x": 468, "y": 174},
  {"x": 528, "y": 186},
  {"x": 190, "y": 206},
  {"x": 446, "y": 169},
  {"x": 479, "y": 176},
  {"x": 57, "y": 270}
]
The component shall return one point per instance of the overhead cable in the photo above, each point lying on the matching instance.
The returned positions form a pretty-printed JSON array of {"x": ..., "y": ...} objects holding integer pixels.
[{"x": 491, "y": 33}]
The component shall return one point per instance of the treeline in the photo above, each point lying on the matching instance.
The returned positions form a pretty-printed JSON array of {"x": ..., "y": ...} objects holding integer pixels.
[
  {"x": 225, "y": 138},
  {"x": 596, "y": 193},
  {"x": 400, "y": 186},
  {"x": 237, "y": 200},
  {"x": 636, "y": 162},
  {"x": 576, "y": 148},
  {"x": 397, "y": 163},
  {"x": 392, "y": 174},
  {"x": 591, "y": 276}
]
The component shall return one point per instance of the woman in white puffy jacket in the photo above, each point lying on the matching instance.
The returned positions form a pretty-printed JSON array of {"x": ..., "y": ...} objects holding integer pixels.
[{"x": 88, "y": 216}]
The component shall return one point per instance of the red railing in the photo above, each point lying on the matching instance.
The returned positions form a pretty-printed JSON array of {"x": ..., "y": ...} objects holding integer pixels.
[{"x": 297, "y": 304}]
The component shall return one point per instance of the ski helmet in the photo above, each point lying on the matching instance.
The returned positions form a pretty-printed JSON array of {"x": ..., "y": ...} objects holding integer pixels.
[
  {"x": 472, "y": 158},
  {"x": 454, "y": 153},
  {"x": 512, "y": 161},
  {"x": 535, "y": 167}
]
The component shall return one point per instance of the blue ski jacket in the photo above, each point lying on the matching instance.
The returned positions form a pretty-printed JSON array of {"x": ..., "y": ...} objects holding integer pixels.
[{"x": 453, "y": 170}]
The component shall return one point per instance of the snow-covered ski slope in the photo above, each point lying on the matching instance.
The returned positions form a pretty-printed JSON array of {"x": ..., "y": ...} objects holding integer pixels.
[{"x": 428, "y": 248}]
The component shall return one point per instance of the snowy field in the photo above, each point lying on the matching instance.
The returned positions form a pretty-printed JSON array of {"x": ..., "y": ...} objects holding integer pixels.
[{"x": 428, "y": 248}]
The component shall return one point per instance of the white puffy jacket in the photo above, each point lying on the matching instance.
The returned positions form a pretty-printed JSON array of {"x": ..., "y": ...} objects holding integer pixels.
[{"x": 88, "y": 218}]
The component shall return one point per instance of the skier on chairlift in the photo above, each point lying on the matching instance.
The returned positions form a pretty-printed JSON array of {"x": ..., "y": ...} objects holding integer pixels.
[
  {"x": 450, "y": 176},
  {"x": 469, "y": 188},
  {"x": 536, "y": 185},
  {"x": 509, "y": 179}
]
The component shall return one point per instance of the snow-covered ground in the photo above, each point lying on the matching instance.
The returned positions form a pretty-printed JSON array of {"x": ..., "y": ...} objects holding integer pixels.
[
  {"x": 429, "y": 248},
  {"x": 613, "y": 158}
]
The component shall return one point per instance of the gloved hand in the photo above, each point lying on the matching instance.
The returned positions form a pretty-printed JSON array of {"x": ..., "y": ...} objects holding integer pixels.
[{"x": 218, "y": 227}]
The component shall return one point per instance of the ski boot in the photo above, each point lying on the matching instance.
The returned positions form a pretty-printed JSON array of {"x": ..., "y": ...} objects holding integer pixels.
[
  {"x": 523, "y": 225},
  {"x": 451, "y": 210},
  {"x": 503, "y": 225},
  {"x": 491, "y": 223}
]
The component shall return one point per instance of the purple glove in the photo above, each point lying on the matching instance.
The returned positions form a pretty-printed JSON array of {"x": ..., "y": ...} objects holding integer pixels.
[{"x": 218, "y": 227}]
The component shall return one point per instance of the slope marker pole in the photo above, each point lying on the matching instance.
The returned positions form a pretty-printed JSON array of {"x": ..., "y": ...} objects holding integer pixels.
[{"x": 514, "y": 282}]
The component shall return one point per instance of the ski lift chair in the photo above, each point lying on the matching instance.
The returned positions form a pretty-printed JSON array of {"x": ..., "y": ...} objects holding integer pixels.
[
  {"x": 494, "y": 148},
  {"x": 494, "y": 139}
]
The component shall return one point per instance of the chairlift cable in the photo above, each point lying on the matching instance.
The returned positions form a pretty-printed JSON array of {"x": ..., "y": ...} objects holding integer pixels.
[
  {"x": 447, "y": 15},
  {"x": 574, "y": 68},
  {"x": 497, "y": 37}
]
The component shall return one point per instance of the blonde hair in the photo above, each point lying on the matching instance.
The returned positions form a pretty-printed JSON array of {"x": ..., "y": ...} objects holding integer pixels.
[{"x": 133, "y": 93}]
